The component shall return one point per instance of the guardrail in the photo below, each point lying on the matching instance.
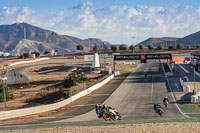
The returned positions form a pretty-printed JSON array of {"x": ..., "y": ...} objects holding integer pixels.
[{"x": 40, "y": 109}]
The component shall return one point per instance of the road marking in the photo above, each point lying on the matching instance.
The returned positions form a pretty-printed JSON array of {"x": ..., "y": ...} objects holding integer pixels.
[{"x": 183, "y": 68}]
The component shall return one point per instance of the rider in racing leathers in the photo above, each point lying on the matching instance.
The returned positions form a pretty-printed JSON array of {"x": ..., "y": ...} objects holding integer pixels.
[
  {"x": 157, "y": 107},
  {"x": 110, "y": 109},
  {"x": 166, "y": 98}
]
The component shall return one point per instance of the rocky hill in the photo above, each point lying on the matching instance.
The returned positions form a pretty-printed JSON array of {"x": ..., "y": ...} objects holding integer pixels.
[
  {"x": 23, "y": 37},
  {"x": 157, "y": 41}
]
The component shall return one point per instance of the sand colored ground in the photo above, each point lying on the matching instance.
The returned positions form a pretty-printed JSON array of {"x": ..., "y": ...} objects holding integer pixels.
[{"x": 189, "y": 127}]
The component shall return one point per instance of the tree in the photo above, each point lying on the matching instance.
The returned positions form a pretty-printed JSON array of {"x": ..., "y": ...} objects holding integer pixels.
[
  {"x": 95, "y": 48},
  {"x": 26, "y": 55},
  {"x": 160, "y": 47},
  {"x": 170, "y": 47},
  {"x": 74, "y": 79},
  {"x": 46, "y": 52},
  {"x": 180, "y": 46},
  {"x": 150, "y": 47},
  {"x": 132, "y": 48},
  {"x": 106, "y": 47},
  {"x": 188, "y": 47},
  {"x": 37, "y": 54},
  {"x": 79, "y": 47},
  {"x": 123, "y": 47},
  {"x": 141, "y": 47},
  {"x": 113, "y": 48},
  {"x": 198, "y": 46},
  {"x": 56, "y": 50},
  {"x": 8, "y": 93}
]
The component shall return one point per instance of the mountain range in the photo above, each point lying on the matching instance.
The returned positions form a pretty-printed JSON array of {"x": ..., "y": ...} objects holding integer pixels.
[
  {"x": 189, "y": 40},
  {"x": 22, "y": 37}
]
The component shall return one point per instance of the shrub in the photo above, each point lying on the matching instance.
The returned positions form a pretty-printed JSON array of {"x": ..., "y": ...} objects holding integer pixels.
[
  {"x": 73, "y": 79},
  {"x": 28, "y": 84}
]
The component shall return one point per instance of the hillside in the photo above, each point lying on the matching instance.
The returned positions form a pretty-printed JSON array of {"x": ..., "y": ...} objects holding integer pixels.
[
  {"x": 191, "y": 40},
  {"x": 158, "y": 41},
  {"x": 13, "y": 40}
]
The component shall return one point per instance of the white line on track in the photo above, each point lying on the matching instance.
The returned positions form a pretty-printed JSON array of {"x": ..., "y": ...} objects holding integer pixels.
[{"x": 183, "y": 68}]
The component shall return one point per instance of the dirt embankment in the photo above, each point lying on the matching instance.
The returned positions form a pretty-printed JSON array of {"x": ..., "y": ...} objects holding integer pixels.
[{"x": 188, "y": 127}]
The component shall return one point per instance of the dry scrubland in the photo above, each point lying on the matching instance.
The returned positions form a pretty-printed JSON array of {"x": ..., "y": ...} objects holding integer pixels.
[{"x": 190, "y": 127}]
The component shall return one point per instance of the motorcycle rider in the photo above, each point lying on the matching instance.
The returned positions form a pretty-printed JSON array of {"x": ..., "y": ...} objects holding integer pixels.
[
  {"x": 157, "y": 107},
  {"x": 110, "y": 109},
  {"x": 166, "y": 98},
  {"x": 99, "y": 110}
]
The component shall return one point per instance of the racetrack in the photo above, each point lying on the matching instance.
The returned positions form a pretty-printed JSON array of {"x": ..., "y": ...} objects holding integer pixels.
[{"x": 135, "y": 97}]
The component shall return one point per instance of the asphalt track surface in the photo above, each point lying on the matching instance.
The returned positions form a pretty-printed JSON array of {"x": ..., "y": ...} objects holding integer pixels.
[
  {"x": 18, "y": 74},
  {"x": 135, "y": 97}
]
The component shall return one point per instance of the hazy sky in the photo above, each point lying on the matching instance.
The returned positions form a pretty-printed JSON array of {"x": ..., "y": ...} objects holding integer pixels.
[{"x": 115, "y": 21}]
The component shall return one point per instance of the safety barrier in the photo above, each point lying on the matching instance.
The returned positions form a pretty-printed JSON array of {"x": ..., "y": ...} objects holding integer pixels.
[
  {"x": 44, "y": 108},
  {"x": 186, "y": 88},
  {"x": 30, "y": 61}
]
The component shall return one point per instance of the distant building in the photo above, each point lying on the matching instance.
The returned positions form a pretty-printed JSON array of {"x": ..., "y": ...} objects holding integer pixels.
[{"x": 52, "y": 52}]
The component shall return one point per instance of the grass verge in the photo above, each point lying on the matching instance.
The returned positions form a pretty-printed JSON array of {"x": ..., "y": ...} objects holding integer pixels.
[{"x": 190, "y": 110}]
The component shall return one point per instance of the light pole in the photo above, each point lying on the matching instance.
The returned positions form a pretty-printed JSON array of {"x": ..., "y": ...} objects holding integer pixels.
[{"x": 133, "y": 37}]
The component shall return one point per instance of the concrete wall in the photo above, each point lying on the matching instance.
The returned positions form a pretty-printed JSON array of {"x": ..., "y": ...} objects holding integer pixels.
[
  {"x": 186, "y": 88},
  {"x": 40, "y": 109}
]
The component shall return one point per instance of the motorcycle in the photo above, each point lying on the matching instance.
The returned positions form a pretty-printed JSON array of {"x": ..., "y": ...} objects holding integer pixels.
[
  {"x": 158, "y": 109},
  {"x": 160, "y": 112},
  {"x": 108, "y": 115}
]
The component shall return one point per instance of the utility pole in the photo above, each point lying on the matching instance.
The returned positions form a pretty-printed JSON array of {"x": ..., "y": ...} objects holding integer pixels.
[{"x": 133, "y": 37}]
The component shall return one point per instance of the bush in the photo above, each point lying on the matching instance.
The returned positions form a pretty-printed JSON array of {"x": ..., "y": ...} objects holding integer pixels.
[
  {"x": 73, "y": 79},
  {"x": 28, "y": 84},
  {"x": 9, "y": 95}
]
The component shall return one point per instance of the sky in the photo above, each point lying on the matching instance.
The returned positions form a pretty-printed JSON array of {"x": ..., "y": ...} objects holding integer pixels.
[{"x": 116, "y": 21}]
